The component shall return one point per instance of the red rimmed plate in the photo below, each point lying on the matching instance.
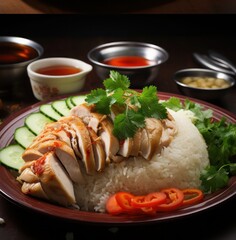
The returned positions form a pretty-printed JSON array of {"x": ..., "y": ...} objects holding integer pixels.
[{"x": 11, "y": 189}]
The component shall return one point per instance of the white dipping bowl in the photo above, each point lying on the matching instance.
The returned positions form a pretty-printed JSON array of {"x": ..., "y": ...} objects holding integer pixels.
[{"x": 45, "y": 87}]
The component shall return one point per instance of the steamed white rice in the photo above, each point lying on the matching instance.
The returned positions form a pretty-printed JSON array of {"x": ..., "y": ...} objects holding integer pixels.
[{"x": 178, "y": 165}]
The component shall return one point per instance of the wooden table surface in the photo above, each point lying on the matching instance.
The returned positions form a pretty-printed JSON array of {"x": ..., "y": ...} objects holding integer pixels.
[
  {"x": 62, "y": 36},
  {"x": 121, "y": 6}
]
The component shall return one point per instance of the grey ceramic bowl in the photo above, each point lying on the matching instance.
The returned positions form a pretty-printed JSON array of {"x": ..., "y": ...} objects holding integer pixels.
[
  {"x": 139, "y": 76},
  {"x": 208, "y": 94},
  {"x": 15, "y": 54}
]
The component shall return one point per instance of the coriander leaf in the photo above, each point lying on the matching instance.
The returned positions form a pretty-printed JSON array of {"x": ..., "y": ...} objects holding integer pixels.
[
  {"x": 95, "y": 96},
  {"x": 173, "y": 103},
  {"x": 100, "y": 99},
  {"x": 213, "y": 179},
  {"x": 158, "y": 111},
  {"x": 136, "y": 118},
  {"x": 200, "y": 113},
  {"x": 220, "y": 138},
  {"x": 126, "y": 124},
  {"x": 149, "y": 92},
  {"x": 134, "y": 100},
  {"x": 117, "y": 96},
  {"x": 115, "y": 81},
  {"x": 103, "y": 106},
  {"x": 198, "y": 110},
  {"x": 232, "y": 167},
  {"x": 150, "y": 106}
]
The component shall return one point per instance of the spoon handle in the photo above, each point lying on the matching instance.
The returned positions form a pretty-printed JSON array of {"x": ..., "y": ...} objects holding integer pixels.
[
  {"x": 222, "y": 59},
  {"x": 205, "y": 61}
]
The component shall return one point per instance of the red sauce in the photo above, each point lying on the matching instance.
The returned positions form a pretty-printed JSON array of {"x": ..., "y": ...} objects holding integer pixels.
[
  {"x": 38, "y": 166},
  {"x": 57, "y": 144},
  {"x": 16, "y": 53},
  {"x": 59, "y": 70},
  {"x": 128, "y": 61}
]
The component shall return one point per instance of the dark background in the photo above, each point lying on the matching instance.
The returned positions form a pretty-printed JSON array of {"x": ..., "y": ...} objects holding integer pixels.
[{"x": 117, "y": 24}]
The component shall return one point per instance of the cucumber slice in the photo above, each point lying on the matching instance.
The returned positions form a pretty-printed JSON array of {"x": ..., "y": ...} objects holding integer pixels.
[
  {"x": 49, "y": 111},
  {"x": 77, "y": 100},
  {"x": 69, "y": 103},
  {"x": 61, "y": 107},
  {"x": 23, "y": 136},
  {"x": 10, "y": 156},
  {"x": 36, "y": 122}
]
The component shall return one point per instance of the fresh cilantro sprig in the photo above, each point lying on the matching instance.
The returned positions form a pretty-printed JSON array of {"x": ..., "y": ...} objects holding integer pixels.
[
  {"x": 214, "y": 178},
  {"x": 126, "y": 124},
  {"x": 116, "y": 81},
  {"x": 199, "y": 112},
  {"x": 220, "y": 137},
  {"x": 129, "y": 106}
]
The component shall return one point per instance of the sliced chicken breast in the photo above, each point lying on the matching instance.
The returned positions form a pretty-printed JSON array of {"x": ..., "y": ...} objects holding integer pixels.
[
  {"x": 85, "y": 143},
  {"x": 31, "y": 154},
  {"x": 102, "y": 125},
  {"x": 169, "y": 130},
  {"x": 27, "y": 175},
  {"x": 34, "y": 189},
  {"x": 151, "y": 136},
  {"x": 98, "y": 150},
  {"x": 54, "y": 180},
  {"x": 137, "y": 139},
  {"x": 73, "y": 140},
  {"x": 66, "y": 156},
  {"x": 126, "y": 147},
  {"x": 110, "y": 142},
  {"x": 83, "y": 111}
]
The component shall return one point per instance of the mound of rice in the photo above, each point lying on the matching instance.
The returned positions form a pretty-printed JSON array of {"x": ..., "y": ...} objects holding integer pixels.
[{"x": 178, "y": 165}]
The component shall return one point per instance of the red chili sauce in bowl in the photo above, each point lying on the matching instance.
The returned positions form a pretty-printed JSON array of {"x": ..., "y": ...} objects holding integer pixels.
[{"x": 128, "y": 61}]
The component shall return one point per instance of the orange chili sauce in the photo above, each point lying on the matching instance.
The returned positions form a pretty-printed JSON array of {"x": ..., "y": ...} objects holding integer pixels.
[
  {"x": 58, "y": 70},
  {"x": 127, "y": 61}
]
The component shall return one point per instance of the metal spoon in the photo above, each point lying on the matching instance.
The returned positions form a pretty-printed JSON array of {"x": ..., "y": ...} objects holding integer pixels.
[
  {"x": 222, "y": 59},
  {"x": 210, "y": 63}
]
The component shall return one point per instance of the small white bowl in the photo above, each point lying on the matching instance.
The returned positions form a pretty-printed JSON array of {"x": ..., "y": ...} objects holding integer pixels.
[{"x": 45, "y": 87}]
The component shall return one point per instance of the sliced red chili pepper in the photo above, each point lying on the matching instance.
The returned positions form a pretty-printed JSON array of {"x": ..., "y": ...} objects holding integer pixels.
[
  {"x": 192, "y": 196},
  {"x": 112, "y": 206},
  {"x": 124, "y": 200},
  {"x": 148, "y": 210},
  {"x": 174, "y": 200},
  {"x": 151, "y": 200}
]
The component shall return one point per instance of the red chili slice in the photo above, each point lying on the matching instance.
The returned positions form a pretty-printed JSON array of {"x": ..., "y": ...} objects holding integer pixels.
[
  {"x": 174, "y": 200},
  {"x": 112, "y": 206},
  {"x": 151, "y": 200},
  {"x": 124, "y": 200},
  {"x": 192, "y": 196}
]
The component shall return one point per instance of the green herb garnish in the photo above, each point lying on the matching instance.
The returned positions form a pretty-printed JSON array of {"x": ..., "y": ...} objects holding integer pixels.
[
  {"x": 130, "y": 107},
  {"x": 220, "y": 137}
]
